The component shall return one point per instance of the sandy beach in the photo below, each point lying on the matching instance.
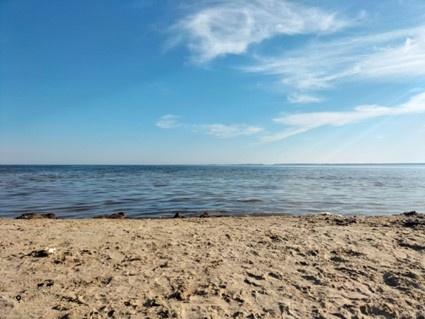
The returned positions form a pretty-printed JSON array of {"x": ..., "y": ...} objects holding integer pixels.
[{"x": 231, "y": 267}]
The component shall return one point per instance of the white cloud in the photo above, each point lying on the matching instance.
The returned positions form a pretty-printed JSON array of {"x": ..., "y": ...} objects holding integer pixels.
[
  {"x": 407, "y": 58},
  {"x": 303, "y": 122},
  {"x": 229, "y": 131},
  {"x": 284, "y": 134},
  {"x": 384, "y": 56},
  {"x": 230, "y": 27},
  {"x": 169, "y": 121},
  {"x": 297, "y": 98}
]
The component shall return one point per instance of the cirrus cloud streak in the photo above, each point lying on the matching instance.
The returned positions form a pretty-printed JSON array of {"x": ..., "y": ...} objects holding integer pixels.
[
  {"x": 303, "y": 122},
  {"x": 386, "y": 56}
]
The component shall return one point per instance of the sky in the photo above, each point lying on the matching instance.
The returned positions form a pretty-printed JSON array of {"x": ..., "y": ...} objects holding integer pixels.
[{"x": 212, "y": 82}]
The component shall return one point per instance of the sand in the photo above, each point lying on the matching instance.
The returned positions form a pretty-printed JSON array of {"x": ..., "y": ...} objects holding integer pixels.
[{"x": 230, "y": 267}]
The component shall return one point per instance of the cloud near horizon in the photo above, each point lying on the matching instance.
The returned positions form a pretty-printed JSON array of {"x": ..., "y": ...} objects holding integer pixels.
[
  {"x": 303, "y": 122},
  {"x": 169, "y": 121},
  {"x": 230, "y": 27},
  {"x": 229, "y": 131},
  {"x": 298, "y": 98},
  {"x": 221, "y": 131}
]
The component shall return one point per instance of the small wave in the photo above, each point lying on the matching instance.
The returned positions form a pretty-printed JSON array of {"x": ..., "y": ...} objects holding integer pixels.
[
  {"x": 75, "y": 208},
  {"x": 113, "y": 202},
  {"x": 160, "y": 184},
  {"x": 182, "y": 199},
  {"x": 252, "y": 200}
]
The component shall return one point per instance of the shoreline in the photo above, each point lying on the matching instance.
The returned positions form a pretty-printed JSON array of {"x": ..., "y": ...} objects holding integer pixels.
[
  {"x": 207, "y": 214},
  {"x": 315, "y": 266}
]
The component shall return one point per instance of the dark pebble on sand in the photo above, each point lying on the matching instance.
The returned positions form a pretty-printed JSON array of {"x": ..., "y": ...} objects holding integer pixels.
[
  {"x": 411, "y": 213},
  {"x": 151, "y": 303},
  {"x": 120, "y": 215},
  {"x": 39, "y": 253},
  {"x": 37, "y": 216},
  {"x": 410, "y": 223}
]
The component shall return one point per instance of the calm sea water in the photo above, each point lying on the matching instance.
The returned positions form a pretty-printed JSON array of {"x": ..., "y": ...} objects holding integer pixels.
[{"x": 157, "y": 191}]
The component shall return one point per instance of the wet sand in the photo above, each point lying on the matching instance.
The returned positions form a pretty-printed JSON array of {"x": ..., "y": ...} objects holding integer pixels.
[{"x": 230, "y": 267}]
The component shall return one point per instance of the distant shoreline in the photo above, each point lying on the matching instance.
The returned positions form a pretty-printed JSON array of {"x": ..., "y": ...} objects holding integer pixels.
[{"x": 235, "y": 164}]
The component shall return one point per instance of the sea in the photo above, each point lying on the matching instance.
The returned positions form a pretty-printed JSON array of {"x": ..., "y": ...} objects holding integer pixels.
[{"x": 150, "y": 191}]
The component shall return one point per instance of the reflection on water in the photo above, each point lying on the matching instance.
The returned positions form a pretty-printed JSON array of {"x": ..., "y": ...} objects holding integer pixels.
[{"x": 154, "y": 191}]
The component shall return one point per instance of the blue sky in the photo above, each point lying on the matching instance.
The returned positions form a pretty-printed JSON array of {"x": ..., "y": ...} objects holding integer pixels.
[{"x": 212, "y": 82}]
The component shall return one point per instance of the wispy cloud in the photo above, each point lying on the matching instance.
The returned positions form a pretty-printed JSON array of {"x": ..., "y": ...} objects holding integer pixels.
[
  {"x": 223, "y": 131},
  {"x": 169, "y": 121},
  {"x": 228, "y": 131},
  {"x": 230, "y": 27},
  {"x": 219, "y": 27},
  {"x": 298, "y": 98},
  {"x": 384, "y": 56},
  {"x": 303, "y": 122}
]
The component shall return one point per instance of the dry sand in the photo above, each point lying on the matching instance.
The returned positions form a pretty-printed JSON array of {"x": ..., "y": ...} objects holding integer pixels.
[{"x": 252, "y": 267}]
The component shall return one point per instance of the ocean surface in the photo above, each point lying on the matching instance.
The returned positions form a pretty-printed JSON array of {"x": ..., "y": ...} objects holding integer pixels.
[{"x": 161, "y": 191}]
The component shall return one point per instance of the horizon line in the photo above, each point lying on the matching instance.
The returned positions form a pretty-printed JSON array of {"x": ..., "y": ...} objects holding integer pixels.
[{"x": 217, "y": 164}]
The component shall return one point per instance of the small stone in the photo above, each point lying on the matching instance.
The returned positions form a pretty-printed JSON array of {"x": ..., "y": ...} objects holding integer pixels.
[
  {"x": 151, "y": 303},
  {"x": 120, "y": 215},
  {"x": 39, "y": 253},
  {"x": 411, "y": 213},
  {"x": 37, "y": 216}
]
